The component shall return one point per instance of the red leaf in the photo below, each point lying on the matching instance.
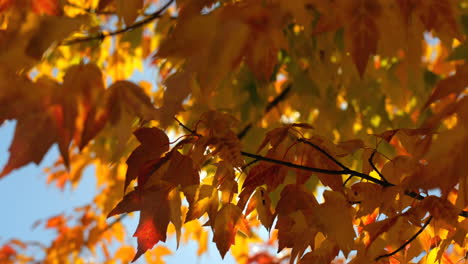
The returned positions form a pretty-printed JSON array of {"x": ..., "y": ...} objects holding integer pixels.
[
  {"x": 181, "y": 171},
  {"x": 153, "y": 204},
  {"x": 154, "y": 143}
]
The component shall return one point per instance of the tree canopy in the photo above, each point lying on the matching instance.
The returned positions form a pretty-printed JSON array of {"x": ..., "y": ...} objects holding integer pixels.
[{"x": 339, "y": 126}]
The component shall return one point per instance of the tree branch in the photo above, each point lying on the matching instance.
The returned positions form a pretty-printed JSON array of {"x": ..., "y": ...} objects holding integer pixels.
[
  {"x": 102, "y": 35},
  {"x": 344, "y": 171},
  {"x": 407, "y": 242}
]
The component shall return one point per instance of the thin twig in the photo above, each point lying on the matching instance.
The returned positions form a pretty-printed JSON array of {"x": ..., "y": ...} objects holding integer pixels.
[
  {"x": 371, "y": 162},
  {"x": 244, "y": 131},
  {"x": 347, "y": 180},
  {"x": 279, "y": 98},
  {"x": 186, "y": 127},
  {"x": 407, "y": 242},
  {"x": 102, "y": 35}
]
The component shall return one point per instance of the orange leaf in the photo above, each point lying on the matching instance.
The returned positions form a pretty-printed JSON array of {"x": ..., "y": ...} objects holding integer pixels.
[
  {"x": 225, "y": 227},
  {"x": 454, "y": 84}
]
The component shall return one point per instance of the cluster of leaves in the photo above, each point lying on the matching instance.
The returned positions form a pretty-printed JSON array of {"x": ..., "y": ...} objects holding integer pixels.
[{"x": 360, "y": 109}]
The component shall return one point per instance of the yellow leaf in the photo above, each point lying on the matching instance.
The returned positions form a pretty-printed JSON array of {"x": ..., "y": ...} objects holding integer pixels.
[{"x": 225, "y": 227}]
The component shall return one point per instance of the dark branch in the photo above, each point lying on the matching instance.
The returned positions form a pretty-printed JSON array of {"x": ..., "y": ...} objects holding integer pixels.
[
  {"x": 186, "y": 127},
  {"x": 102, "y": 35},
  {"x": 292, "y": 165},
  {"x": 278, "y": 99},
  {"x": 244, "y": 131},
  {"x": 407, "y": 242}
]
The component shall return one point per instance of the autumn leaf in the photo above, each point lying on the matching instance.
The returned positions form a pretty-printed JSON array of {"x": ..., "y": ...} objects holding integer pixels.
[
  {"x": 202, "y": 199},
  {"x": 340, "y": 229},
  {"x": 453, "y": 84},
  {"x": 125, "y": 96},
  {"x": 325, "y": 254},
  {"x": 155, "y": 214},
  {"x": 181, "y": 171},
  {"x": 341, "y": 123},
  {"x": 226, "y": 226},
  {"x": 362, "y": 33},
  {"x": 179, "y": 86},
  {"x": 154, "y": 142}
]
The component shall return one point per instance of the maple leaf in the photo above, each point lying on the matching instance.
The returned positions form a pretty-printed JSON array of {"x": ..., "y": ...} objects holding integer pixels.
[
  {"x": 453, "y": 84},
  {"x": 154, "y": 142},
  {"x": 340, "y": 229},
  {"x": 31, "y": 141},
  {"x": 202, "y": 199},
  {"x": 155, "y": 213},
  {"x": 261, "y": 202},
  {"x": 125, "y": 96},
  {"x": 181, "y": 170},
  {"x": 324, "y": 254},
  {"x": 295, "y": 199},
  {"x": 178, "y": 88},
  {"x": 362, "y": 33},
  {"x": 226, "y": 226},
  {"x": 232, "y": 60},
  {"x": 85, "y": 83}
]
